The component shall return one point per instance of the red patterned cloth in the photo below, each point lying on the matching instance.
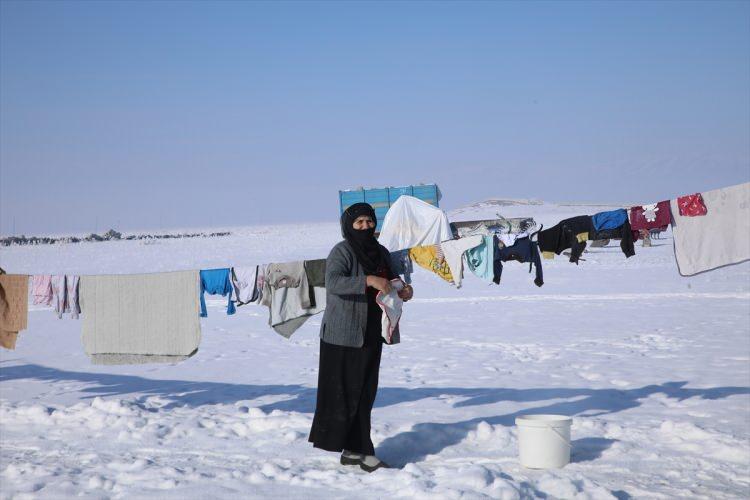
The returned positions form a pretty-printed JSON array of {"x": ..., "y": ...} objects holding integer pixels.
[
  {"x": 650, "y": 216},
  {"x": 691, "y": 205}
]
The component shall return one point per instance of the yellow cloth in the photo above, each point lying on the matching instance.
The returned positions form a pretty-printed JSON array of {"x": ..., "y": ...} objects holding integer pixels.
[
  {"x": 548, "y": 255},
  {"x": 582, "y": 237},
  {"x": 14, "y": 307},
  {"x": 431, "y": 259}
]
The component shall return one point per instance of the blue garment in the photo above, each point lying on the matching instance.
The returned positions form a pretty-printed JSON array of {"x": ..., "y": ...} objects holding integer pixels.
[
  {"x": 523, "y": 250},
  {"x": 609, "y": 220},
  {"x": 480, "y": 259},
  {"x": 216, "y": 282}
]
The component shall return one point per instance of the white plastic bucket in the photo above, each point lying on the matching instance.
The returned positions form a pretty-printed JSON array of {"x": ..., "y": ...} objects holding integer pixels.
[{"x": 544, "y": 441}]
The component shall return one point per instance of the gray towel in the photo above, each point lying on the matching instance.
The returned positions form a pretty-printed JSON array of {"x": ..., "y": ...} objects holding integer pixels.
[
  {"x": 719, "y": 238},
  {"x": 287, "y": 327},
  {"x": 140, "y": 318}
]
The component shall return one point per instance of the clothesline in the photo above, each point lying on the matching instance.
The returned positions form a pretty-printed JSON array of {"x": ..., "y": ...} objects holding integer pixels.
[
  {"x": 641, "y": 217},
  {"x": 154, "y": 317}
]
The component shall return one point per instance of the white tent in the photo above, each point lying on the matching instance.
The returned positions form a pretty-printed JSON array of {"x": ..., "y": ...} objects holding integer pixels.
[{"x": 411, "y": 222}]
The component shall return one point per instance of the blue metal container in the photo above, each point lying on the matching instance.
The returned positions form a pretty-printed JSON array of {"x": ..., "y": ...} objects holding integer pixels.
[{"x": 381, "y": 199}]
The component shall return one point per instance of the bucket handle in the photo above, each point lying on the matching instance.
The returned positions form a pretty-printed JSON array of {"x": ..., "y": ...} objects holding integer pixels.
[{"x": 562, "y": 438}]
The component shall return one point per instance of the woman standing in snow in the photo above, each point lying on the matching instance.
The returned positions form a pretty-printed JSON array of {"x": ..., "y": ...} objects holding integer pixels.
[{"x": 350, "y": 340}]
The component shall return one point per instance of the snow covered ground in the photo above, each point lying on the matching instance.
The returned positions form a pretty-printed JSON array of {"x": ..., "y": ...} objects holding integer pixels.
[{"x": 653, "y": 367}]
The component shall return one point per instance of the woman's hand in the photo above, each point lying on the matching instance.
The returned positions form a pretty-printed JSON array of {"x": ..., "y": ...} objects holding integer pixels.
[
  {"x": 378, "y": 283},
  {"x": 406, "y": 293}
]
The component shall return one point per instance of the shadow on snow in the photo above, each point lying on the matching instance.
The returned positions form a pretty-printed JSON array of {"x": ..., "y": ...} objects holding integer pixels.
[{"x": 414, "y": 445}]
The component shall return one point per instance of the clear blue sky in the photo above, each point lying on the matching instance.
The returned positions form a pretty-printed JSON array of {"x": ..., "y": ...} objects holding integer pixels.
[{"x": 147, "y": 114}]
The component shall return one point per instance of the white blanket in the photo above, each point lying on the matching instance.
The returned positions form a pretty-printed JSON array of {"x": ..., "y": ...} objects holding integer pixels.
[
  {"x": 719, "y": 238},
  {"x": 140, "y": 317},
  {"x": 411, "y": 222}
]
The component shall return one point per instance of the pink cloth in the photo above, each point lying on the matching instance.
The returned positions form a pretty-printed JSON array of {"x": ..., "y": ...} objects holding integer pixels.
[
  {"x": 41, "y": 289},
  {"x": 691, "y": 205},
  {"x": 650, "y": 216}
]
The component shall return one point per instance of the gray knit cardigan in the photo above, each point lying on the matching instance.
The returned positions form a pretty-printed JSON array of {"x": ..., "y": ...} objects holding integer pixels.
[{"x": 345, "y": 317}]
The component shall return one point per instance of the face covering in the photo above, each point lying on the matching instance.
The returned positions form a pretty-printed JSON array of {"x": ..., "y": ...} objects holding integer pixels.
[{"x": 363, "y": 242}]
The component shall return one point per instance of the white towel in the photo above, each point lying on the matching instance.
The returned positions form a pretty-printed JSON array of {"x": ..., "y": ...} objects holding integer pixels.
[
  {"x": 154, "y": 317},
  {"x": 719, "y": 238},
  {"x": 391, "y": 304}
]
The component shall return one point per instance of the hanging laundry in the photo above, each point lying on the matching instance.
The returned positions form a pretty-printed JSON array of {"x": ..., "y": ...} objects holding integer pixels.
[
  {"x": 454, "y": 250},
  {"x": 316, "y": 272},
  {"x": 290, "y": 275},
  {"x": 609, "y": 220},
  {"x": 41, "y": 289},
  {"x": 244, "y": 284},
  {"x": 401, "y": 264},
  {"x": 316, "y": 276},
  {"x": 14, "y": 307},
  {"x": 411, "y": 222},
  {"x": 429, "y": 258},
  {"x": 650, "y": 216},
  {"x": 392, "y": 305},
  {"x": 140, "y": 318},
  {"x": 564, "y": 235},
  {"x": 260, "y": 282},
  {"x": 8, "y": 339},
  {"x": 64, "y": 294},
  {"x": 286, "y": 293},
  {"x": 623, "y": 233},
  {"x": 59, "y": 291},
  {"x": 71, "y": 296},
  {"x": 481, "y": 258},
  {"x": 488, "y": 227},
  {"x": 295, "y": 318},
  {"x": 718, "y": 238},
  {"x": 524, "y": 251},
  {"x": 509, "y": 239},
  {"x": 216, "y": 282},
  {"x": 692, "y": 205}
]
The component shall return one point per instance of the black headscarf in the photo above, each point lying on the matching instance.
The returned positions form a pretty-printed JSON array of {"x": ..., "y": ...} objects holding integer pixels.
[{"x": 363, "y": 242}]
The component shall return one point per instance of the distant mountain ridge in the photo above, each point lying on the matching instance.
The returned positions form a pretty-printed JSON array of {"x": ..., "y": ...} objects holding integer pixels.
[
  {"x": 495, "y": 202},
  {"x": 516, "y": 202},
  {"x": 544, "y": 212},
  {"x": 110, "y": 235}
]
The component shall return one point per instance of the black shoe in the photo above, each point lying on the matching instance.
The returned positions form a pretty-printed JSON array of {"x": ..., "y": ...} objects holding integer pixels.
[
  {"x": 373, "y": 468},
  {"x": 348, "y": 458}
]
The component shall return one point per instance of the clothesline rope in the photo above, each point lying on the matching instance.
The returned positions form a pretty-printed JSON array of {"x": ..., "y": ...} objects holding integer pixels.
[{"x": 695, "y": 200}]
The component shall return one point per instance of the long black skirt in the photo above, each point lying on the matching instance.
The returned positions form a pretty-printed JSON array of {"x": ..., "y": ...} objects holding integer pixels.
[{"x": 347, "y": 386}]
